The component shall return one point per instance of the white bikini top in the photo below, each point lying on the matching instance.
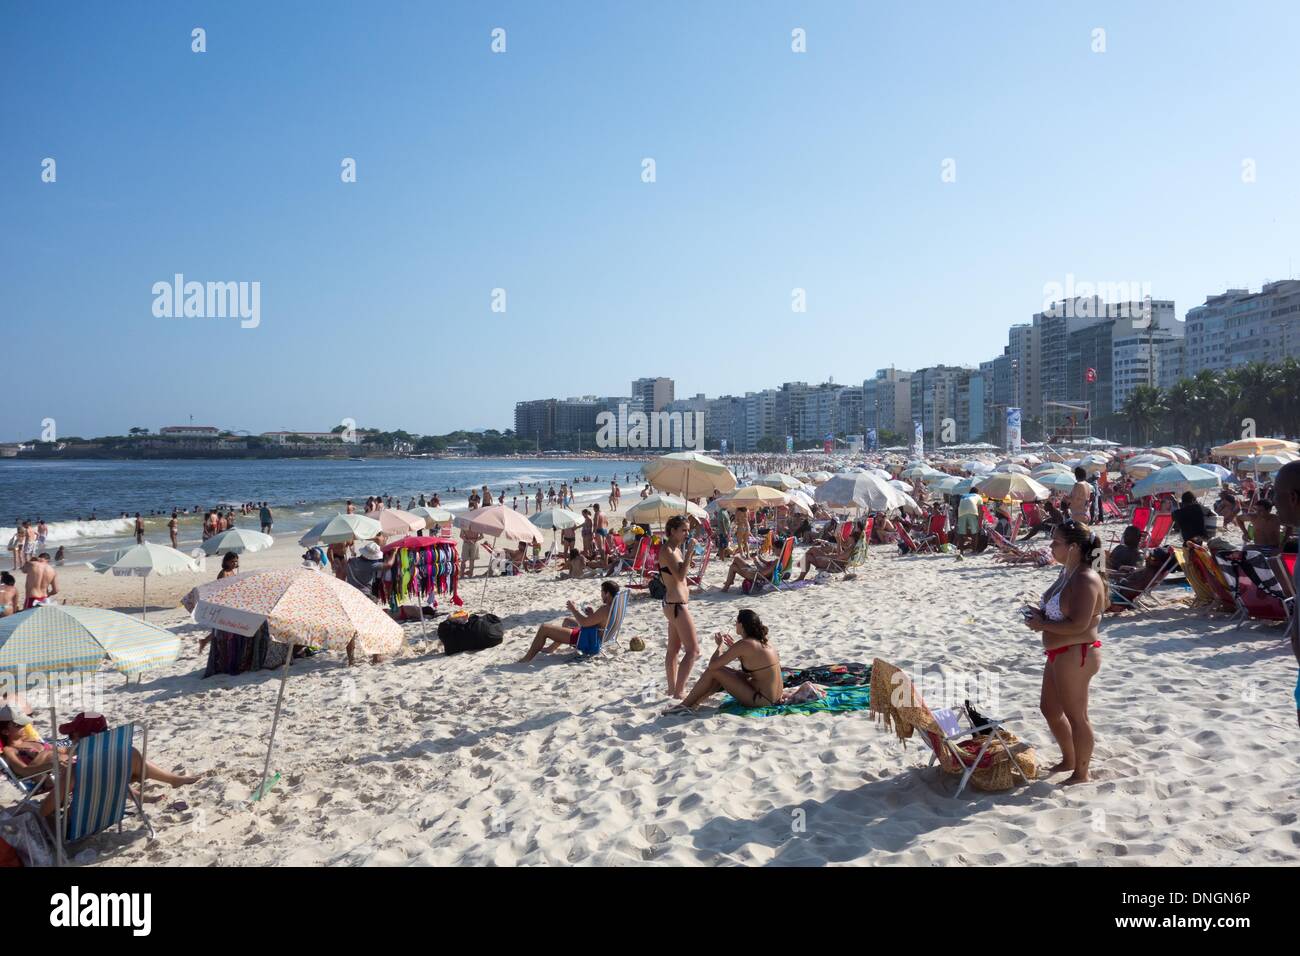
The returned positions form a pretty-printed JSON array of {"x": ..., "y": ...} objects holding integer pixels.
[{"x": 1052, "y": 607}]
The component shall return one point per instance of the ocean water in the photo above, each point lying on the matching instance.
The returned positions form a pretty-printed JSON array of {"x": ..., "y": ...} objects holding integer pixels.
[{"x": 301, "y": 492}]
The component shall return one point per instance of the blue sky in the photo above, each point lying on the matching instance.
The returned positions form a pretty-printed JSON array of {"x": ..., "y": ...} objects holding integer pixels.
[{"x": 522, "y": 171}]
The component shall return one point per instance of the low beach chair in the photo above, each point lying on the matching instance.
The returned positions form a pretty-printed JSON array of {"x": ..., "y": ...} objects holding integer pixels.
[
  {"x": 1110, "y": 510},
  {"x": 643, "y": 566},
  {"x": 1159, "y": 528},
  {"x": 1141, "y": 517},
  {"x": 1202, "y": 596},
  {"x": 1133, "y": 599},
  {"x": 1208, "y": 571},
  {"x": 938, "y": 529},
  {"x": 896, "y": 701},
  {"x": 856, "y": 560},
  {"x": 780, "y": 571},
  {"x": 1284, "y": 572},
  {"x": 696, "y": 580},
  {"x": 101, "y": 786}
]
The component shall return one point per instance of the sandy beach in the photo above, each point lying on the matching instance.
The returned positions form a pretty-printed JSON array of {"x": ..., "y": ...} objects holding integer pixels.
[{"x": 475, "y": 759}]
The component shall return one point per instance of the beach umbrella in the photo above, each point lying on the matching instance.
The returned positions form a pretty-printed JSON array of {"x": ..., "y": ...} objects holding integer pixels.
[
  {"x": 977, "y": 466},
  {"x": 557, "y": 520},
  {"x": 237, "y": 541},
  {"x": 341, "y": 528},
  {"x": 143, "y": 560},
  {"x": 1217, "y": 469},
  {"x": 817, "y": 477},
  {"x": 298, "y": 606},
  {"x": 688, "y": 473},
  {"x": 1175, "y": 479},
  {"x": 1265, "y": 462},
  {"x": 1051, "y": 468},
  {"x": 1058, "y": 481},
  {"x": 397, "y": 521},
  {"x": 657, "y": 509},
  {"x": 779, "y": 481},
  {"x": 754, "y": 497},
  {"x": 945, "y": 485},
  {"x": 433, "y": 517},
  {"x": 57, "y": 639},
  {"x": 1015, "y": 486},
  {"x": 859, "y": 491},
  {"x": 1253, "y": 446},
  {"x": 497, "y": 522},
  {"x": 964, "y": 486}
]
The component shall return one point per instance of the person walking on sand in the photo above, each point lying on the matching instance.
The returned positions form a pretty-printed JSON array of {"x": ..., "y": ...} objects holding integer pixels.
[
  {"x": 1081, "y": 497},
  {"x": 673, "y": 564},
  {"x": 139, "y": 529},
  {"x": 1068, "y": 619}
]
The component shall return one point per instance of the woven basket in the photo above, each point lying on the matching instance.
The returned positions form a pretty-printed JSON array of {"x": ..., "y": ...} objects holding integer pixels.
[{"x": 999, "y": 774}]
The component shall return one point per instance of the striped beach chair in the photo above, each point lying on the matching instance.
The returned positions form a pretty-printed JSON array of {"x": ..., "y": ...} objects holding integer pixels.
[{"x": 100, "y": 785}]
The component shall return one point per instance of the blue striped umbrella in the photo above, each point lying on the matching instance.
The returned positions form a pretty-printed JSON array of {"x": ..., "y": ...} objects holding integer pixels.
[{"x": 66, "y": 638}]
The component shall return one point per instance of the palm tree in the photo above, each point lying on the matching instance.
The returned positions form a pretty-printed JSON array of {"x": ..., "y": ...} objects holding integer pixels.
[{"x": 1144, "y": 409}]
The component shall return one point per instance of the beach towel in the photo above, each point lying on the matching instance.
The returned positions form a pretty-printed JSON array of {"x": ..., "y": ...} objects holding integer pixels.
[{"x": 838, "y": 700}]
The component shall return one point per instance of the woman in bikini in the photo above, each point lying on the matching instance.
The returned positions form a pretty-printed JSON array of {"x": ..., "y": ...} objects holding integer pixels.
[
  {"x": 8, "y": 594},
  {"x": 758, "y": 681},
  {"x": 673, "y": 564},
  {"x": 1068, "y": 619}
]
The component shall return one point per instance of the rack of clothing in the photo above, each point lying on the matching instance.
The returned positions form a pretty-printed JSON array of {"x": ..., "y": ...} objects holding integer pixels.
[{"x": 420, "y": 568}]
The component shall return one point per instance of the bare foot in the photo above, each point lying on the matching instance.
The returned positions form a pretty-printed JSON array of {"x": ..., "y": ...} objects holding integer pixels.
[
  {"x": 1061, "y": 767},
  {"x": 1074, "y": 778}
]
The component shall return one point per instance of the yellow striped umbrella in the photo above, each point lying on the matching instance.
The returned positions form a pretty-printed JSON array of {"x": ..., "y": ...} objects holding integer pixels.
[{"x": 67, "y": 638}]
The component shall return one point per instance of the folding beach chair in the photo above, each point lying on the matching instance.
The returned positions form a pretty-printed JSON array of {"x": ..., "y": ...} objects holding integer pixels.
[
  {"x": 1014, "y": 530},
  {"x": 1284, "y": 573},
  {"x": 1141, "y": 517},
  {"x": 1201, "y": 594},
  {"x": 781, "y": 570},
  {"x": 1121, "y": 500},
  {"x": 643, "y": 565},
  {"x": 1159, "y": 528},
  {"x": 957, "y": 751},
  {"x": 101, "y": 786},
  {"x": 1132, "y": 599},
  {"x": 846, "y": 531},
  {"x": 1110, "y": 509},
  {"x": 906, "y": 539},
  {"x": 697, "y": 580},
  {"x": 1214, "y": 579},
  {"x": 856, "y": 559}
]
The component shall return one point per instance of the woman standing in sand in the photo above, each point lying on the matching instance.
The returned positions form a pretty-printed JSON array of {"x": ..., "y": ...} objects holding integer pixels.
[
  {"x": 1068, "y": 619},
  {"x": 673, "y": 564}
]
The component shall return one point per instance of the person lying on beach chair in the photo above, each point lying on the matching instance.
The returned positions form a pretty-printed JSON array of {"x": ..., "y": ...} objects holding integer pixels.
[
  {"x": 750, "y": 571},
  {"x": 1127, "y": 555},
  {"x": 830, "y": 559},
  {"x": 582, "y": 625},
  {"x": 757, "y": 682}
]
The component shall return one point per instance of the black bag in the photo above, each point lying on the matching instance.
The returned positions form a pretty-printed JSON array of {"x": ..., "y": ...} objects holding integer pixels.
[
  {"x": 474, "y": 633},
  {"x": 658, "y": 590}
]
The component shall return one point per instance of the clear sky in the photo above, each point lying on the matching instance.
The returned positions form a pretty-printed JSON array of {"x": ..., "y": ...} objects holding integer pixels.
[{"x": 523, "y": 171}]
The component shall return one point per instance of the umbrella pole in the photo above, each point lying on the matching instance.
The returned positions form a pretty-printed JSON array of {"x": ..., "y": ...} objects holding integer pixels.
[
  {"x": 58, "y": 784},
  {"x": 275, "y": 720},
  {"x": 144, "y": 598}
]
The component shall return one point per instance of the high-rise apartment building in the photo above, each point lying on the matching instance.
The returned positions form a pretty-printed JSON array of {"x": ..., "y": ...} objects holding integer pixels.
[
  {"x": 1238, "y": 327},
  {"x": 653, "y": 393}
]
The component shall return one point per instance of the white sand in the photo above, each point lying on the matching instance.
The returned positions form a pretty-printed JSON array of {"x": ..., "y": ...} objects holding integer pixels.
[{"x": 473, "y": 759}]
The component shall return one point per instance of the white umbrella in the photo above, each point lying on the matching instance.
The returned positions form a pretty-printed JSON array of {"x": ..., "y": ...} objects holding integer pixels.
[
  {"x": 689, "y": 473},
  {"x": 341, "y": 528},
  {"x": 143, "y": 560},
  {"x": 1010, "y": 468},
  {"x": 237, "y": 541},
  {"x": 556, "y": 520},
  {"x": 859, "y": 491},
  {"x": 1007, "y": 485},
  {"x": 779, "y": 482},
  {"x": 1057, "y": 481},
  {"x": 657, "y": 509},
  {"x": 1272, "y": 461},
  {"x": 433, "y": 516}
]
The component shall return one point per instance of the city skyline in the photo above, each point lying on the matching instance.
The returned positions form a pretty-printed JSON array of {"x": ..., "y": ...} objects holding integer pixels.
[{"x": 919, "y": 183}]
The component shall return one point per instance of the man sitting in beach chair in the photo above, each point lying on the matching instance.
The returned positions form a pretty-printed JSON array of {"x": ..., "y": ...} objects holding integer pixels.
[
  {"x": 757, "y": 572},
  {"x": 584, "y": 630}
]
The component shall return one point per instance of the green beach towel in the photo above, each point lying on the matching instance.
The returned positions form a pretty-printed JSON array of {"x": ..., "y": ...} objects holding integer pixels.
[{"x": 838, "y": 700}]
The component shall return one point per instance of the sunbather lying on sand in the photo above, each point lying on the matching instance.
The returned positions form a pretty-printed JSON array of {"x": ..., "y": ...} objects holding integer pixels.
[
  {"x": 756, "y": 683},
  {"x": 582, "y": 622}
]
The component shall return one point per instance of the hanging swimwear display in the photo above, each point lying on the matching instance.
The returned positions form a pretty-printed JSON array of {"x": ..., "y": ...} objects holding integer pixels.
[{"x": 419, "y": 568}]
